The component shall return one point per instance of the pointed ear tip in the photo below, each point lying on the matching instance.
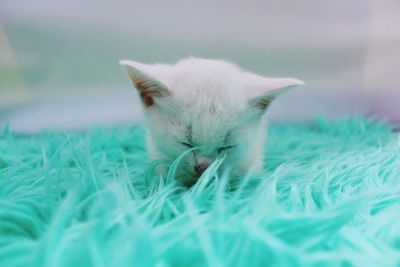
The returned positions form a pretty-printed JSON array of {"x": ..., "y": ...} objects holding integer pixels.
[
  {"x": 124, "y": 62},
  {"x": 297, "y": 82}
]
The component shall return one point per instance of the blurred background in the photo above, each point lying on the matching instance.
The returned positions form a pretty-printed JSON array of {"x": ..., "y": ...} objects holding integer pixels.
[{"x": 59, "y": 59}]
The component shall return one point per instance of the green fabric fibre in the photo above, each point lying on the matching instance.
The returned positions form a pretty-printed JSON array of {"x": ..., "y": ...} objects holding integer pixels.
[{"x": 329, "y": 196}]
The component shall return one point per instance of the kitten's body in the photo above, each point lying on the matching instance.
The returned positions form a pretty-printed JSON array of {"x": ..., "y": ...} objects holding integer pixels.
[{"x": 210, "y": 105}]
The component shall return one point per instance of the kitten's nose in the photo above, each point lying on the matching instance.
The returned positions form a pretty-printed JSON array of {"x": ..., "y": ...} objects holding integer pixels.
[{"x": 200, "y": 168}]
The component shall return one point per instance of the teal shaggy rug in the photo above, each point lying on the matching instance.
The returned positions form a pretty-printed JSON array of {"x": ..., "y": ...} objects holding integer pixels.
[{"x": 329, "y": 196}]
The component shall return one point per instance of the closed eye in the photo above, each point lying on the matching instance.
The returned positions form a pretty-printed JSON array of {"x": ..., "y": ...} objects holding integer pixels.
[
  {"x": 224, "y": 148},
  {"x": 186, "y": 144}
]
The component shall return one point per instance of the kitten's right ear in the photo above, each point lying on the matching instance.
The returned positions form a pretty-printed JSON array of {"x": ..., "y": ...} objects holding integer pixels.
[
  {"x": 142, "y": 77},
  {"x": 264, "y": 90}
]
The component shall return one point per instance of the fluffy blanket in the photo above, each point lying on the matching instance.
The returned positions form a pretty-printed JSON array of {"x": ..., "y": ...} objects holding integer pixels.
[{"x": 329, "y": 196}]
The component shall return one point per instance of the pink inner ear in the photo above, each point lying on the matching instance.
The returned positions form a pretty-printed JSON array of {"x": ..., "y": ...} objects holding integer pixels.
[
  {"x": 144, "y": 90},
  {"x": 149, "y": 89},
  {"x": 263, "y": 102},
  {"x": 147, "y": 100}
]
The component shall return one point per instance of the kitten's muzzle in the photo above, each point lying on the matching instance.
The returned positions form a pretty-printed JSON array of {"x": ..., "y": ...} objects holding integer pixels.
[{"x": 200, "y": 168}]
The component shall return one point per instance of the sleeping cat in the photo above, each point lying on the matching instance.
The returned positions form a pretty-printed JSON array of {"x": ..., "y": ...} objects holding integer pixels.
[{"x": 209, "y": 106}]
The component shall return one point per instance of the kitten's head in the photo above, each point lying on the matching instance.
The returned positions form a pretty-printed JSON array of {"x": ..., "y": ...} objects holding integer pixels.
[{"x": 209, "y": 105}]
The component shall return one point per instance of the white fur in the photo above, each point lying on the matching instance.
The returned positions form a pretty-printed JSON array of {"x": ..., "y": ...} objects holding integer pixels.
[{"x": 207, "y": 99}]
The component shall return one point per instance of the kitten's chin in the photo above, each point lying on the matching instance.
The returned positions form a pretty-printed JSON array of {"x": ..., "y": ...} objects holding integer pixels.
[
  {"x": 189, "y": 183},
  {"x": 188, "y": 180}
]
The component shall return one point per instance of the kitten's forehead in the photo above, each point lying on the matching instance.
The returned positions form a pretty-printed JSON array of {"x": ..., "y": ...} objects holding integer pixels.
[
  {"x": 209, "y": 123},
  {"x": 204, "y": 80}
]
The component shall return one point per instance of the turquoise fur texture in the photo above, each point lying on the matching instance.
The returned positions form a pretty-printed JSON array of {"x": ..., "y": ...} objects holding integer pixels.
[{"x": 329, "y": 196}]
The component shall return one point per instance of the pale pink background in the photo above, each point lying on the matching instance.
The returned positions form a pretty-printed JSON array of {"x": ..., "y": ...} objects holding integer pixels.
[{"x": 64, "y": 55}]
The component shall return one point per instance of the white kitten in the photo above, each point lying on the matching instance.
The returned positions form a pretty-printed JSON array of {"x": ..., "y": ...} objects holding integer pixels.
[{"x": 211, "y": 105}]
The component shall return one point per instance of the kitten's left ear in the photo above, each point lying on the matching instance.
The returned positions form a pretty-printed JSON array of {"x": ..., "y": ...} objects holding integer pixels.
[
  {"x": 147, "y": 79},
  {"x": 264, "y": 90}
]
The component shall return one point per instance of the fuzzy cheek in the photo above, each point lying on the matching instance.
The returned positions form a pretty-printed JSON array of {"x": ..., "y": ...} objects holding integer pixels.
[
  {"x": 231, "y": 157},
  {"x": 166, "y": 145},
  {"x": 236, "y": 156},
  {"x": 171, "y": 150}
]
